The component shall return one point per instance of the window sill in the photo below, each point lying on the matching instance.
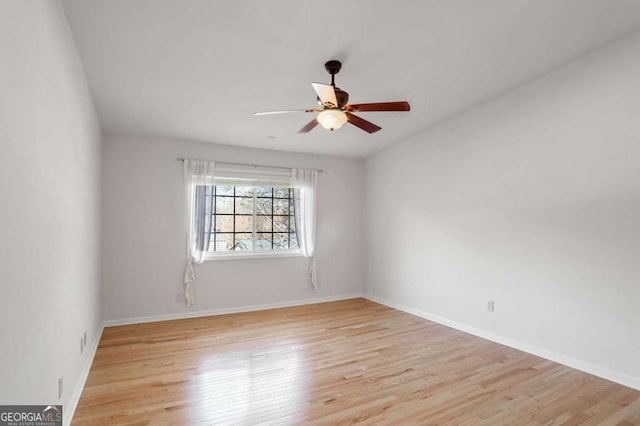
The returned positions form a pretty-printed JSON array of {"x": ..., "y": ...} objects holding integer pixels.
[{"x": 252, "y": 255}]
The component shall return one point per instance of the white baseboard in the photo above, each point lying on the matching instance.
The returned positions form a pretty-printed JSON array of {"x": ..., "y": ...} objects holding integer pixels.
[
  {"x": 605, "y": 373},
  {"x": 70, "y": 408},
  {"x": 234, "y": 310}
]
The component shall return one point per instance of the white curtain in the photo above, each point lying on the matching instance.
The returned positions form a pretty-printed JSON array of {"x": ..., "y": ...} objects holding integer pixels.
[
  {"x": 198, "y": 180},
  {"x": 305, "y": 184}
]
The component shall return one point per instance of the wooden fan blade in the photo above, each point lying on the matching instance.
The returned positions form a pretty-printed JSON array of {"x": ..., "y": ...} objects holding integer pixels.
[
  {"x": 286, "y": 111},
  {"x": 326, "y": 93},
  {"x": 365, "y": 125},
  {"x": 310, "y": 125},
  {"x": 379, "y": 107}
]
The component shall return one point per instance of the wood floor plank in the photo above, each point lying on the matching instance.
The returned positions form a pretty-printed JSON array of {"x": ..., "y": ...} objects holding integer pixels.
[{"x": 348, "y": 362}]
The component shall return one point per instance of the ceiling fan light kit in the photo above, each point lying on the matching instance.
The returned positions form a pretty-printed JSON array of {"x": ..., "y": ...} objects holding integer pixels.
[
  {"x": 336, "y": 111},
  {"x": 332, "y": 119}
]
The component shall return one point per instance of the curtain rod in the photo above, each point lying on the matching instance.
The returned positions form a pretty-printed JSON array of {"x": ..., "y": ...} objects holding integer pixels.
[{"x": 253, "y": 165}]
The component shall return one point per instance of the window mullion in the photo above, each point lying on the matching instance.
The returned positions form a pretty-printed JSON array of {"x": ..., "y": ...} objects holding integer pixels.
[
  {"x": 255, "y": 216},
  {"x": 289, "y": 219},
  {"x": 214, "y": 226}
]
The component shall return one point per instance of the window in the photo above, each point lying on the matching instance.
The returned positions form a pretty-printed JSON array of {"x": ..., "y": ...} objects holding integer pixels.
[
  {"x": 247, "y": 211},
  {"x": 250, "y": 218}
]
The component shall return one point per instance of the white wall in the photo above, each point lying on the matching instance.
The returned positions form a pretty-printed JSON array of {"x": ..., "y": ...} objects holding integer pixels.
[
  {"x": 49, "y": 208},
  {"x": 532, "y": 200},
  {"x": 144, "y": 233}
]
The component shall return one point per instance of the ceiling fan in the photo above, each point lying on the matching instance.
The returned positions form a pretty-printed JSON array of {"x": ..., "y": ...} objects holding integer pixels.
[{"x": 335, "y": 109}]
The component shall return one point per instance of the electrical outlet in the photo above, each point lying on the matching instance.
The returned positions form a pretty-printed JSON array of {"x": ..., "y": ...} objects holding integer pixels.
[
  {"x": 60, "y": 387},
  {"x": 179, "y": 298},
  {"x": 81, "y": 345},
  {"x": 490, "y": 305},
  {"x": 84, "y": 338}
]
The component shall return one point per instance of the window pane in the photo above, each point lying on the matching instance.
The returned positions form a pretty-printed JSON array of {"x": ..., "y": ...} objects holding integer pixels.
[
  {"x": 263, "y": 241},
  {"x": 263, "y": 205},
  {"x": 224, "y": 205},
  {"x": 244, "y": 242},
  {"x": 263, "y": 223},
  {"x": 281, "y": 224},
  {"x": 244, "y": 223},
  {"x": 280, "y": 206},
  {"x": 244, "y": 206},
  {"x": 224, "y": 242},
  {"x": 224, "y": 223},
  {"x": 281, "y": 241},
  {"x": 263, "y": 191},
  {"x": 281, "y": 192},
  {"x": 244, "y": 191},
  {"x": 293, "y": 241},
  {"x": 224, "y": 190}
]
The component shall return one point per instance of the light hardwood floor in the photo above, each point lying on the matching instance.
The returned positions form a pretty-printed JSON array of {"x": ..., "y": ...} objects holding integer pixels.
[{"x": 334, "y": 363}]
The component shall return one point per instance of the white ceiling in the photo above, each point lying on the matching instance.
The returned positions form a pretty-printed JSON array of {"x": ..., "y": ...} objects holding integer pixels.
[{"x": 198, "y": 69}]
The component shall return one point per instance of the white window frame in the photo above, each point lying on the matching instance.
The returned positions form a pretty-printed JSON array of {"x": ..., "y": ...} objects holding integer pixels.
[{"x": 227, "y": 174}]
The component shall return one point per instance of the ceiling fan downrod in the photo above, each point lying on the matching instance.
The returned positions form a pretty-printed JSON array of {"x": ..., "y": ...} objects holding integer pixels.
[{"x": 333, "y": 67}]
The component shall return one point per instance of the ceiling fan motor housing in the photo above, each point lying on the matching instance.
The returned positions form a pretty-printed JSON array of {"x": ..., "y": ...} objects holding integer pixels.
[{"x": 342, "y": 97}]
